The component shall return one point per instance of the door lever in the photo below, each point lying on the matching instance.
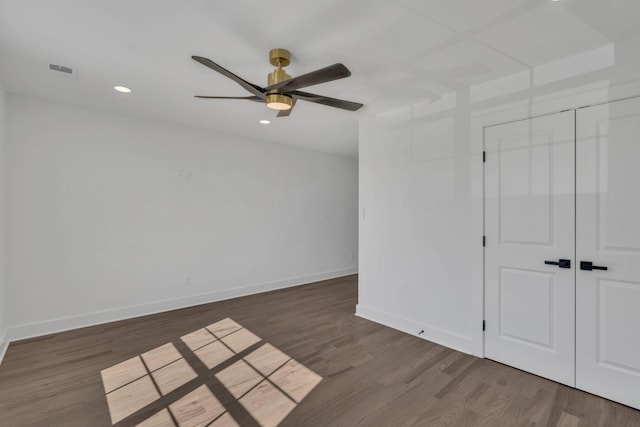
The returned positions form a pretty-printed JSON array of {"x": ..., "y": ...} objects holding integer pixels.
[
  {"x": 588, "y": 265},
  {"x": 562, "y": 263}
]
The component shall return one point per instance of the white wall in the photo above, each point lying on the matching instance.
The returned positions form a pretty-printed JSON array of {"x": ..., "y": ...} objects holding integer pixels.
[
  {"x": 421, "y": 257},
  {"x": 3, "y": 182},
  {"x": 112, "y": 216}
]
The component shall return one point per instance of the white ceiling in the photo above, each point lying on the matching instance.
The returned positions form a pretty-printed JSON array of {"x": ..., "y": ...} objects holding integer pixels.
[{"x": 399, "y": 52}]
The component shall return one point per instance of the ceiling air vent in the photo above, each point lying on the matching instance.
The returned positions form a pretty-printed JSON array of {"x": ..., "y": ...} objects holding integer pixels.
[
  {"x": 62, "y": 72},
  {"x": 61, "y": 68}
]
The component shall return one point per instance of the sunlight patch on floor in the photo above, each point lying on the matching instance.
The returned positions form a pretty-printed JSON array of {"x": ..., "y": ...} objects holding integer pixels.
[{"x": 266, "y": 382}]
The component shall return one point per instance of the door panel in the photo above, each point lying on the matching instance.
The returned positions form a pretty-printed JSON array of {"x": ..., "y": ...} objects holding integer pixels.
[
  {"x": 608, "y": 234},
  {"x": 524, "y": 180},
  {"x": 529, "y": 218},
  {"x": 526, "y": 294}
]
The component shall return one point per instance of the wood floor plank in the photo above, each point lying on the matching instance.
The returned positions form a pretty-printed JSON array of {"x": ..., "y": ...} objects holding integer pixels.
[{"x": 371, "y": 375}]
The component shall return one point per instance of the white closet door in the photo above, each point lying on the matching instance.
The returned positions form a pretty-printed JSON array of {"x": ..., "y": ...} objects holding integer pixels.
[
  {"x": 530, "y": 219},
  {"x": 608, "y": 235}
]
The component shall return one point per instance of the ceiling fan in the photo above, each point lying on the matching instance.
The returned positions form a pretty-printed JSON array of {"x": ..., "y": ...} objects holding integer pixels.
[{"x": 282, "y": 91}]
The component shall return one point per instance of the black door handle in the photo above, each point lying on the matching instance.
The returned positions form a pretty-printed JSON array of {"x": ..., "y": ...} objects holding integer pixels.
[
  {"x": 562, "y": 263},
  {"x": 588, "y": 265}
]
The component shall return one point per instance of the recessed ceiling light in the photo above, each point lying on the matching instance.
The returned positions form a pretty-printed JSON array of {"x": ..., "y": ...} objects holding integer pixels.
[
  {"x": 265, "y": 122},
  {"x": 122, "y": 89}
]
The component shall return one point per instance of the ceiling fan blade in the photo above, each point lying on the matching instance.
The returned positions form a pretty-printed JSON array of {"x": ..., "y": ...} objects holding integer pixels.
[
  {"x": 325, "y": 100},
  {"x": 285, "y": 113},
  {"x": 254, "y": 89},
  {"x": 250, "y": 98},
  {"x": 323, "y": 75}
]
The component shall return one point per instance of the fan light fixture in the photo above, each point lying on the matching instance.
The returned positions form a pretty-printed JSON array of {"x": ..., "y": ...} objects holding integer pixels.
[
  {"x": 265, "y": 121},
  {"x": 277, "y": 101},
  {"x": 122, "y": 89},
  {"x": 280, "y": 58}
]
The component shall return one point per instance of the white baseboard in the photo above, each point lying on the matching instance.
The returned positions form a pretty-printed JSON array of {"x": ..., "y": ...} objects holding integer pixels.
[
  {"x": 37, "y": 329},
  {"x": 437, "y": 335},
  {"x": 4, "y": 344}
]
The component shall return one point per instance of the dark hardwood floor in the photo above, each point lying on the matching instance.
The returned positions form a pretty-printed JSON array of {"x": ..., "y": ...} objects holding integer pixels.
[{"x": 372, "y": 375}]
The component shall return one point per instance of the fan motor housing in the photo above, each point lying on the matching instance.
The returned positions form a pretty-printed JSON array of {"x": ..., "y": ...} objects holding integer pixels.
[{"x": 278, "y": 75}]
